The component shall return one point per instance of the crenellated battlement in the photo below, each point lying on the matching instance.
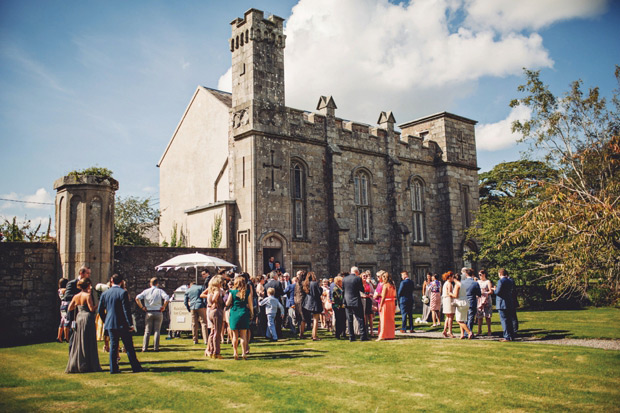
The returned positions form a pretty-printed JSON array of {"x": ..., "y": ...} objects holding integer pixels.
[{"x": 254, "y": 27}]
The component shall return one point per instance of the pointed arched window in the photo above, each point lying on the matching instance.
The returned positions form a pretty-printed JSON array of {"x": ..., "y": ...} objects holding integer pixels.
[
  {"x": 298, "y": 199},
  {"x": 362, "y": 205},
  {"x": 418, "y": 233}
]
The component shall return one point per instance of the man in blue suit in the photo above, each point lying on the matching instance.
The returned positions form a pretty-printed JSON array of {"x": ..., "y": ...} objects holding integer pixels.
[
  {"x": 405, "y": 302},
  {"x": 472, "y": 288},
  {"x": 504, "y": 303},
  {"x": 115, "y": 311}
]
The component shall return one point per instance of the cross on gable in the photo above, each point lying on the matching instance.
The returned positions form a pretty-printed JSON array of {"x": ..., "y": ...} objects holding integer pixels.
[{"x": 273, "y": 167}]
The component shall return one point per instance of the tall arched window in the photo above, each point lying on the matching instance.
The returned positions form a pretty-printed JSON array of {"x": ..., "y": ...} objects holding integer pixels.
[
  {"x": 362, "y": 205},
  {"x": 418, "y": 234},
  {"x": 298, "y": 199}
]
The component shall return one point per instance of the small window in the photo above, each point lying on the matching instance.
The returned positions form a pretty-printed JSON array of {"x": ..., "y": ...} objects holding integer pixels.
[{"x": 465, "y": 210}]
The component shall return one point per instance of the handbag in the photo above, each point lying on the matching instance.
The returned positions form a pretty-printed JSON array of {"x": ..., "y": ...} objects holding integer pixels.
[
  {"x": 425, "y": 299},
  {"x": 460, "y": 303}
]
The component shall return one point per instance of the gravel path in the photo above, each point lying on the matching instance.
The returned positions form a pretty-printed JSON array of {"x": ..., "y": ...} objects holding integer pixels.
[{"x": 593, "y": 343}]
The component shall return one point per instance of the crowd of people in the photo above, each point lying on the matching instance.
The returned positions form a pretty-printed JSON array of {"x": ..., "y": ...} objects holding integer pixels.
[{"x": 228, "y": 307}]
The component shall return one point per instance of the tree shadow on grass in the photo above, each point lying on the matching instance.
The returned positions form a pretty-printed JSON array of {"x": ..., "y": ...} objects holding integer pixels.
[
  {"x": 286, "y": 354},
  {"x": 542, "y": 334},
  {"x": 149, "y": 362},
  {"x": 184, "y": 369}
]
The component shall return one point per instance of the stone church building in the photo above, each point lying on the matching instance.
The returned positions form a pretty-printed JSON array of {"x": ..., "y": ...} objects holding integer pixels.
[{"x": 313, "y": 190}]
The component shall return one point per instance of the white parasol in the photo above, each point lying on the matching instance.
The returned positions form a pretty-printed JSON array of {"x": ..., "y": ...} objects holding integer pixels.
[{"x": 195, "y": 260}]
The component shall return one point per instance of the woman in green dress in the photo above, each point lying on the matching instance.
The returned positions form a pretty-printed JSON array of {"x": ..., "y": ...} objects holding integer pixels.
[{"x": 241, "y": 309}]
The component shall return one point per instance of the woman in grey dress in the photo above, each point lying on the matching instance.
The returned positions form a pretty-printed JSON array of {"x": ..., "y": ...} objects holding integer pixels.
[{"x": 83, "y": 357}]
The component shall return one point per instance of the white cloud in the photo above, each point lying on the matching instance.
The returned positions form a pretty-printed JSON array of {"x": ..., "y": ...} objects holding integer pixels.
[
  {"x": 225, "y": 81},
  {"x": 7, "y": 204},
  {"x": 149, "y": 189},
  {"x": 39, "y": 200},
  {"x": 372, "y": 55},
  {"x": 414, "y": 58},
  {"x": 509, "y": 15},
  {"x": 496, "y": 136}
]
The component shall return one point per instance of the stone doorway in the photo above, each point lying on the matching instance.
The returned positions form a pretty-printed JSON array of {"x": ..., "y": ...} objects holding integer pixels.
[{"x": 272, "y": 247}]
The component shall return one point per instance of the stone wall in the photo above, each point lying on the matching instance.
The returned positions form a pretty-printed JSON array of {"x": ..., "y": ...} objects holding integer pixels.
[
  {"x": 29, "y": 276},
  {"x": 29, "y": 303},
  {"x": 137, "y": 266}
]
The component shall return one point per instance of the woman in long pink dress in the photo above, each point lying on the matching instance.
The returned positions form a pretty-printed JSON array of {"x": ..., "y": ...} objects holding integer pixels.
[
  {"x": 435, "y": 304},
  {"x": 387, "y": 307},
  {"x": 377, "y": 299}
]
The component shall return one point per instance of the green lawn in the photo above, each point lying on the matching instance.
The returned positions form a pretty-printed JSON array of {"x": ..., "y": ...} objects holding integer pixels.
[
  {"x": 603, "y": 323},
  {"x": 408, "y": 374}
]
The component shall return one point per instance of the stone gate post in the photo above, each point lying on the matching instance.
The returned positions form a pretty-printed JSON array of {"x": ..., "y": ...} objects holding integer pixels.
[{"x": 85, "y": 225}]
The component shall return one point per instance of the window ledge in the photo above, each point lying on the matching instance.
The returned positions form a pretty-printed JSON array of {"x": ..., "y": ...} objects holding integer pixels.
[{"x": 359, "y": 241}]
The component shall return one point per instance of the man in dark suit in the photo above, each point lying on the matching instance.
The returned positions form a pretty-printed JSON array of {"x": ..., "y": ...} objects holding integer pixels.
[
  {"x": 115, "y": 311},
  {"x": 353, "y": 287},
  {"x": 71, "y": 291},
  {"x": 504, "y": 303},
  {"x": 405, "y": 302},
  {"x": 279, "y": 292},
  {"x": 472, "y": 288}
]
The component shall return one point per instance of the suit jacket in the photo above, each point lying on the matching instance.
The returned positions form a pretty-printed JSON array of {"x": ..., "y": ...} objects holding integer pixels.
[
  {"x": 352, "y": 286},
  {"x": 405, "y": 290},
  {"x": 71, "y": 290},
  {"x": 472, "y": 288},
  {"x": 114, "y": 309},
  {"x": 276, "y": 285},
  {"x": 504, "y": 293},
  {"x": 192, "y": 298}
]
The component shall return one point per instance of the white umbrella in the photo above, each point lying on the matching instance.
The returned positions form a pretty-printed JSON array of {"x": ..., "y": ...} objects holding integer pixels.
[{"x": 194, "y": 260}]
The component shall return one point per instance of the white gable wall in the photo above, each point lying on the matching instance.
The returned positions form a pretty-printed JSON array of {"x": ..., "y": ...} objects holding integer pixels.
[{"x": 191, "y": 164}]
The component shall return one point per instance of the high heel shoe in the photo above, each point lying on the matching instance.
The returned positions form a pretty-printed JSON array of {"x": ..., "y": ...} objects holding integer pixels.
[{"x": 445, "y": 334}]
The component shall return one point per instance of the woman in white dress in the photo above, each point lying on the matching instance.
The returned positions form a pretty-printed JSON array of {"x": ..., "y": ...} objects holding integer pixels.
[
  {"x": 462, "y": 307},
  {"x": 426, "y": 290},
  {"x": 446, "y": 302}
]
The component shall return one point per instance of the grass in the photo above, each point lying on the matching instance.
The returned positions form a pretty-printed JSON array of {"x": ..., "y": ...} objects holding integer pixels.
[
  {"x": 407, "y": 374},
  {"x": 599, "y": 323}
]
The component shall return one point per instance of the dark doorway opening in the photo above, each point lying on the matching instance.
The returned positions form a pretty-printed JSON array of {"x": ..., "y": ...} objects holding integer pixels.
[{"x": 276, "y": 253}]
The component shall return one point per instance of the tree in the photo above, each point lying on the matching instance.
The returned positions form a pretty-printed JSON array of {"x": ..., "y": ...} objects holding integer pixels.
[
  {"x": 507, "y": 192},
  {"x": 14, "y": 231},
  {"x": 577, "y": 224},
  {"x": 133, "y": 218}
]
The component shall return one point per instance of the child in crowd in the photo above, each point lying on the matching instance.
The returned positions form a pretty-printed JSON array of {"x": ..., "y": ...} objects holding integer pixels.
[{"x": 271, "y": 305}]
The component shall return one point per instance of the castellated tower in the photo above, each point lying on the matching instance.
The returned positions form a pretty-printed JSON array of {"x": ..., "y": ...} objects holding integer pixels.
[{"x": 257, "y": 46}]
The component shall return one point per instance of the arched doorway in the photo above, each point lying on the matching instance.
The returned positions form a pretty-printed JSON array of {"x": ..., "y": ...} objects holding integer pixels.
[{"x": 273, "y": 246}]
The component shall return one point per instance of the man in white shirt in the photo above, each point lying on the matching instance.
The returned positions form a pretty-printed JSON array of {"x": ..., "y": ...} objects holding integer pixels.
[{"x": 155, "y": 302}]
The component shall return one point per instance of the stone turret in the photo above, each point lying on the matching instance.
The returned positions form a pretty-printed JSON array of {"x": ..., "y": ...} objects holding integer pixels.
[
  {"x": 85, "y": 225},
  {"x": 257, "y": 46}
]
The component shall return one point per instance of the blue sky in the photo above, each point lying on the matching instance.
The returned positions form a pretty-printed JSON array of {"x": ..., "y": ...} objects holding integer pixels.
[{"x": 106, "y": 82}]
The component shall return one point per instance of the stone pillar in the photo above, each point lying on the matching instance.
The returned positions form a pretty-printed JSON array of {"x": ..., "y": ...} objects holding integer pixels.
[{"x": 85, "y": 225}]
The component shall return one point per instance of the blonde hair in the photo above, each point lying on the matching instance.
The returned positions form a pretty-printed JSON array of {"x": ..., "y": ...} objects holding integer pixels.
[
  {"x": 240, "y": 286},
  {"x": 385, "y": 277},
  {"x": 271, "y": 291},
  {"x": 215, "y": 284}
]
